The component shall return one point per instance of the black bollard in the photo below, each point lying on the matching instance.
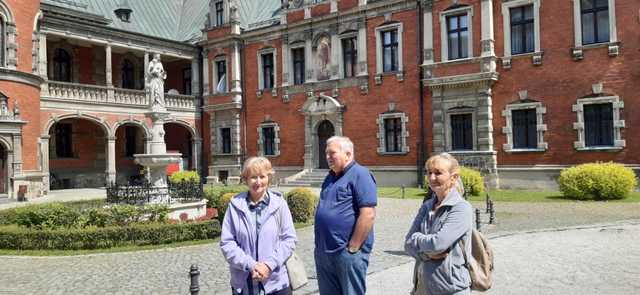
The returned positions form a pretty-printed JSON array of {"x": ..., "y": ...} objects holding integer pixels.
[
  {"x": 487, "y": 199},
  {"x": 492, "y": 214},
  {"x": 478, "y": 221},
  {"x": 403, "y": 191},
  {"x": 195, "y": 286}
]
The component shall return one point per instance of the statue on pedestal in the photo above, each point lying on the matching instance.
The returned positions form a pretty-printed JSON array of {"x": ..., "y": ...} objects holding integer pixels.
[{"x": 156, "y": 75}]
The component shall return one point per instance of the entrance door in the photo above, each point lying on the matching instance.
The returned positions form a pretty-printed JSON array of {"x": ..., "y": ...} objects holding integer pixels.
[
  {"x": 3, "y": 170},
  {"x": 325, "y": 130}
]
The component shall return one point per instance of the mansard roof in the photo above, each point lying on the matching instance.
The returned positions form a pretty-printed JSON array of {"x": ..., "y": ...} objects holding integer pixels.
[
  {"x": 178, "y": 20},
  {"x": 258, "y": 13}
]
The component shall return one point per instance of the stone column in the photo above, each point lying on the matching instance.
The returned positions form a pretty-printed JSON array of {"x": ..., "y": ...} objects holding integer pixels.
[
  {"x": 196, "y": 146},
  {"x": 146, "y": 69},
  {"x": 17, "y": 154},
  {"x": 335, "y": 57},
  {"x": 111, "y": 159},
  {"x": 44, "y": 150},
  {"x": 362, "y": 49},
  {"x": 487, "y": 40},
  {"x": 195, "y": 76},
  {"x": 427, "y": 35},
  {"x": 310, "y": 71},
  {"x": 205, "y": 72},
  {"x": 285, "y": 63},
  {"x": 362, "y": 2},
  {"x": 236, "y": 89},
  {"x": 42, "y": 60},
  {"x": 109, "y": 72}
]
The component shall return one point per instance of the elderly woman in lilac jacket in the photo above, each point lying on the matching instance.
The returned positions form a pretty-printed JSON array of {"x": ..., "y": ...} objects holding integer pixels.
[{"x": 258, "y": 235}]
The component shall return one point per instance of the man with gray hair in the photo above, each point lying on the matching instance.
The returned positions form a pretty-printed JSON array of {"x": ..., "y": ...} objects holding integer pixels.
[{"x": 344, "y": 222}]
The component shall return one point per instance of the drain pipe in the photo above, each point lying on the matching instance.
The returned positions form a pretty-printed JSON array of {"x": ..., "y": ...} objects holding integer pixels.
[{"x": 421, "y": 145}]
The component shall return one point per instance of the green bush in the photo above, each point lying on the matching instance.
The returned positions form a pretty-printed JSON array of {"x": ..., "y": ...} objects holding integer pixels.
[
  {"x": 302, "y": 203},
  {"x": 52, "y": 215},
  {"x": 20, "y": 238},
  {"x": 213, "y": 193},
  {"x": 472, "y": 180},
  {"x": 599, "y": 181},
  {"x": 224, "y": 204},
  {"x": 185, "y": 176}
]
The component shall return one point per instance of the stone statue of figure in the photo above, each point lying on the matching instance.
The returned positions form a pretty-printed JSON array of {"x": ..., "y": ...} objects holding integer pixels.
[{"x": 156, "y": 82}]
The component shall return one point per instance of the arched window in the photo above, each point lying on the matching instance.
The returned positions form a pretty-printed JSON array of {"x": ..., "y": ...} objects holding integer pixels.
[
  {"x": 128, "y": 76},
  {"x": 61, "y": 65}
]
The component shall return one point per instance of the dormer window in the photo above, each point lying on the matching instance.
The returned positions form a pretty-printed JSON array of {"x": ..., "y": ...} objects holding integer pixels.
[{"x": 124, "y": 11}]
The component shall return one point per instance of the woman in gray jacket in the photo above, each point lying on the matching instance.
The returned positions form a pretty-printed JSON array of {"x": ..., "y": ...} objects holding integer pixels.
[{"x": 434, "y": 238}]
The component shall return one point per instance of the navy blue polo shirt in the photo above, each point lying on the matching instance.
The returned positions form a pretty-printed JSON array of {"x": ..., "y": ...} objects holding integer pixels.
[{"x": 341, "y": 198}]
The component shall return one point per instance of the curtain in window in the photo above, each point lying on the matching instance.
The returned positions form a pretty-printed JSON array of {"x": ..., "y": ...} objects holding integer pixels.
[{"x": 598, "y": 124}]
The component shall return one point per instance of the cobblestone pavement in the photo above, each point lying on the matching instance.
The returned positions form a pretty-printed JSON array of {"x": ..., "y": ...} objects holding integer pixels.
[{"x": 166, "y": 271}]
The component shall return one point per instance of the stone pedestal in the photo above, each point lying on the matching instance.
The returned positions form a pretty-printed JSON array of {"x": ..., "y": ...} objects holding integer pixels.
[{"x": 158, "y": 159}]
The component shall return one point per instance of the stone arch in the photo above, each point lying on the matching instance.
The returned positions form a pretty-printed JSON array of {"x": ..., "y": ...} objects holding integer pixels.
[
  {"x": 139, "y": 123},
  {"x": 97, "y": 120},
  {"x": 185, "y": 124},
  {"x": 5, "y": 13},
  {"x": 6, "y": 144},
  {"x": 316, "y": 110}
]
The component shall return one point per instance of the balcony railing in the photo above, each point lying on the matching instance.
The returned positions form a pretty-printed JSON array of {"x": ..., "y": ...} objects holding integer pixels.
[{"x": 114, "y": 96}]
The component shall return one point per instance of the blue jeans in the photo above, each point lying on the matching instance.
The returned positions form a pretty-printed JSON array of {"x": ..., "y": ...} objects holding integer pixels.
[{"x": 342, "y": 273}]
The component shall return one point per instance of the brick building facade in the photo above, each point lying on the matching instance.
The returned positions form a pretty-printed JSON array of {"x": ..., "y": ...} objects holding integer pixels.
[{"x": 516, "y": 88}]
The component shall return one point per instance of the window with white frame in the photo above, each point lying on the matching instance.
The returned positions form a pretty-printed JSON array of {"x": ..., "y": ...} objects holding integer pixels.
[
  {"x": 389, "y": 48},
  {"x": 224, "y": 141},
  {"x": 456, "y": 33},
  {"x": 392, "y": 133},
  {"x": 297, "y": 62},
  {"x": 524, "y": 127},
  {"x": 219, "y": 13},
  {"x": 595, "y": 22},
  {"x": 220, "y": 74},
  {"x": 268, "y": 139},
  {"x": 521, "y": 21},
  {"x": 267, "y": 68},
  {"x": 599, "y": 125},
  {"x": 349, "y": 56}
]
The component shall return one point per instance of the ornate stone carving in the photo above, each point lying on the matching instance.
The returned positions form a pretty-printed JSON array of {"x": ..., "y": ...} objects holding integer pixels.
[
  {"x": 506, "y": 62},
  {"x": 378, "y": 79},
  {"x": 537, "y": 58},
  {"x": 614, "y": 50},
  {"x": 576, "y": 53},
  {"x": 428, "y": 54}
]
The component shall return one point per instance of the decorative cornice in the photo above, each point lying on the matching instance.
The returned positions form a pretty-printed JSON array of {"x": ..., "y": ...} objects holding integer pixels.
[
  {"x": 462, "y": 80},
  {"x": 222, "y": 107},
  {"x": 20, "y": 77}
]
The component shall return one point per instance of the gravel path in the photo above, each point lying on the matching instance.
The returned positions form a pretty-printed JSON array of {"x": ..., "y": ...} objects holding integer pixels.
[{"x": 557, "y": 255}]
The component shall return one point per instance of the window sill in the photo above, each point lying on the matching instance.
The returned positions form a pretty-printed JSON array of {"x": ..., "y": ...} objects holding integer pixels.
[
  {"x": 393, "y": 153},
  {"x": 536, "y": 58},
  {"x": 458, "y": 61},
  {"x": 613, "y": 49},
  {"x": 398, "y": 74},
  {"x": 226, "y": 154},
  {"x": 535, "y": 150},
  {"x": 600, "y": 149}
]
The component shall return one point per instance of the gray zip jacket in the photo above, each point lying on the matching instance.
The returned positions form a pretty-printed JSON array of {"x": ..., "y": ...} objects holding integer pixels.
[{"x": 442, "y": 232}]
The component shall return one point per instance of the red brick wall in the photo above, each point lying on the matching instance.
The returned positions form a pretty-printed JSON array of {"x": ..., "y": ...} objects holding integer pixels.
[
  {"x": 175, "y": 75},
  {"x": 347, "y": 4},
  {"x": 87, "y": 139},
  {"x": 27, "y": 97}
]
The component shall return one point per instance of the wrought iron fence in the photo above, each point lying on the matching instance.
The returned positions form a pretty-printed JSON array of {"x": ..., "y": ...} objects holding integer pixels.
[{"x": 144, "y": 192}]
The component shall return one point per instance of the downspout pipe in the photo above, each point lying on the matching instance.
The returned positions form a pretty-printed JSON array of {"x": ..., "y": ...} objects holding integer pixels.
[{"x": 421, "y": 143}]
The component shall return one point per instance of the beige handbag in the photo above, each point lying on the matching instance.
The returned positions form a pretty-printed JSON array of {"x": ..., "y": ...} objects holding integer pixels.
[{"x": 295, "y": 266}]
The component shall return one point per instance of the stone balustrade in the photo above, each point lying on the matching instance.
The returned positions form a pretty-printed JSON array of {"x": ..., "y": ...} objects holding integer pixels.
[
  {"x": 82, "y": 92},
  {"x": 114, "y": 96}
]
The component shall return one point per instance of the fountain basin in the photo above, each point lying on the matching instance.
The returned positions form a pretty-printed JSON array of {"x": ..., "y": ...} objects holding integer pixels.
[{"x": 157, "y": 160}]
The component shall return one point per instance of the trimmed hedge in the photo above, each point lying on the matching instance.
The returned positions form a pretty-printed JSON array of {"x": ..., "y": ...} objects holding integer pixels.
[
  {"x": 213, "y": 193},
  {"x": 19, "y": 238},
  {"x": 61, "y": 215},
  {"x": 599, "y": 181},
  {"x": 302, "y": 203},
  {"x": 185, "y": 176},
  {"x": 472, "y": 180}
]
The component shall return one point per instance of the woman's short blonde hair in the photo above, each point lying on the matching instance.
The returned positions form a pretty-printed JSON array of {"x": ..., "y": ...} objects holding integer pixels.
[
  {"x": 256, "y": 165},
  {"x": 453, "y": 165}
]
